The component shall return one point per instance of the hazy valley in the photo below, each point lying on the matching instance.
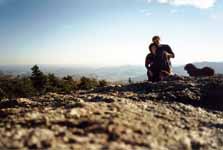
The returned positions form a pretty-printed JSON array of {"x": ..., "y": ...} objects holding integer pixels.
[{"x": 120, "y": 73}]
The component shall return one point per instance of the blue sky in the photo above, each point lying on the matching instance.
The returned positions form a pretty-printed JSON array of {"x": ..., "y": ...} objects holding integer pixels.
[{"x": 108, "y": 32}]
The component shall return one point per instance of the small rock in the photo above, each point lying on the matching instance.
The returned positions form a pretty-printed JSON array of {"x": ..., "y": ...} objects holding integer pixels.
[
  {"x": 40, "y": 138},
  {"x": 78, "y": 112},
  {"x": 186, "y": 143}
]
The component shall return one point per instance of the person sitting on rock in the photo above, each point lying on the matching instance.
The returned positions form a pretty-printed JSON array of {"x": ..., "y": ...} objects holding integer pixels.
[
  {"x": 150, "y": 64},
  {"x": 163, "y": 55}
]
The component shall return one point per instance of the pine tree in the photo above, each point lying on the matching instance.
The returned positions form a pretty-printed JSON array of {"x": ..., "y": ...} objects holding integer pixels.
[
  {"x": 38, "y": 79},
  {"x": 130, "y": 81}
]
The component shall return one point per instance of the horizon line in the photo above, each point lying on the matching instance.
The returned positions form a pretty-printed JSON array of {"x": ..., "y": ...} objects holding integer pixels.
[{"x": 99, "y": 65}]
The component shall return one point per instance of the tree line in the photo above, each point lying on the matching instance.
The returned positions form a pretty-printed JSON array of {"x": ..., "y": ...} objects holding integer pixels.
[{"x": 39, "y": 83}]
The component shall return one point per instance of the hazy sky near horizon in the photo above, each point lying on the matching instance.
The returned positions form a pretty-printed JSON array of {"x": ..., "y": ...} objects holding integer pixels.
[{"x": 108, "y": 32}]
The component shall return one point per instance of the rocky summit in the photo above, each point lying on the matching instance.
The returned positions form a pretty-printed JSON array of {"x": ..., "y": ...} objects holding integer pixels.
[{"x": 180, "y": 113}]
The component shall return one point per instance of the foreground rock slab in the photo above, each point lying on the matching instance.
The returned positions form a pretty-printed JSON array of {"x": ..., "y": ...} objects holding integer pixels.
[{"x": 171, "y": 114}]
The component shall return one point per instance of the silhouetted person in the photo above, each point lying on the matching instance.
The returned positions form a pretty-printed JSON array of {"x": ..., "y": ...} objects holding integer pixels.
[
  {"x": 158, "y": 62},
  {"x": 151, "y": 64},
  {"x": 163, "y": 55}
]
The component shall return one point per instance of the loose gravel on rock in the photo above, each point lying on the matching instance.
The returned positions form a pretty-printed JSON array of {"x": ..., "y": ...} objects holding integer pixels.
[{"x": 173, "y": 114}]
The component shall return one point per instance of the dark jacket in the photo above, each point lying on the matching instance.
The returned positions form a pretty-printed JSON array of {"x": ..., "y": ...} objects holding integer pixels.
[
  {"x": 151, "y": 65},
  {"x": 162, "y": 62},
  {"x": 150, "y": 61}
]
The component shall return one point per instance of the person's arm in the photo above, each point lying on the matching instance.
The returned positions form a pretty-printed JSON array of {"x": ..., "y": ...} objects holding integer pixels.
[
  {"x": 147, "y": 62},
  {"x": 169, "y": 52},
  {"x": 169, "y": 55}
]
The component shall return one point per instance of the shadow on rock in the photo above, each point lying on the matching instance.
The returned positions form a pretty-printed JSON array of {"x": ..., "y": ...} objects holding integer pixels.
[
  {"x": 212, "y": 96},
  {"x": 204, "y": 92},
  {"x": 213, "y": 125},
  {"x": 13, "y": 103}
]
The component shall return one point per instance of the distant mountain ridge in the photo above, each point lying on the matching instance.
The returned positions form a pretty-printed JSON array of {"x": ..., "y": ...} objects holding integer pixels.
[{"x": 120, "y": 73}]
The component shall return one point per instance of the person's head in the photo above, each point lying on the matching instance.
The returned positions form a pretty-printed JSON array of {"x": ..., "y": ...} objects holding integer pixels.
[
  {"x": 156, "y": 40},
  {"x": 153, "y": 48}
]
